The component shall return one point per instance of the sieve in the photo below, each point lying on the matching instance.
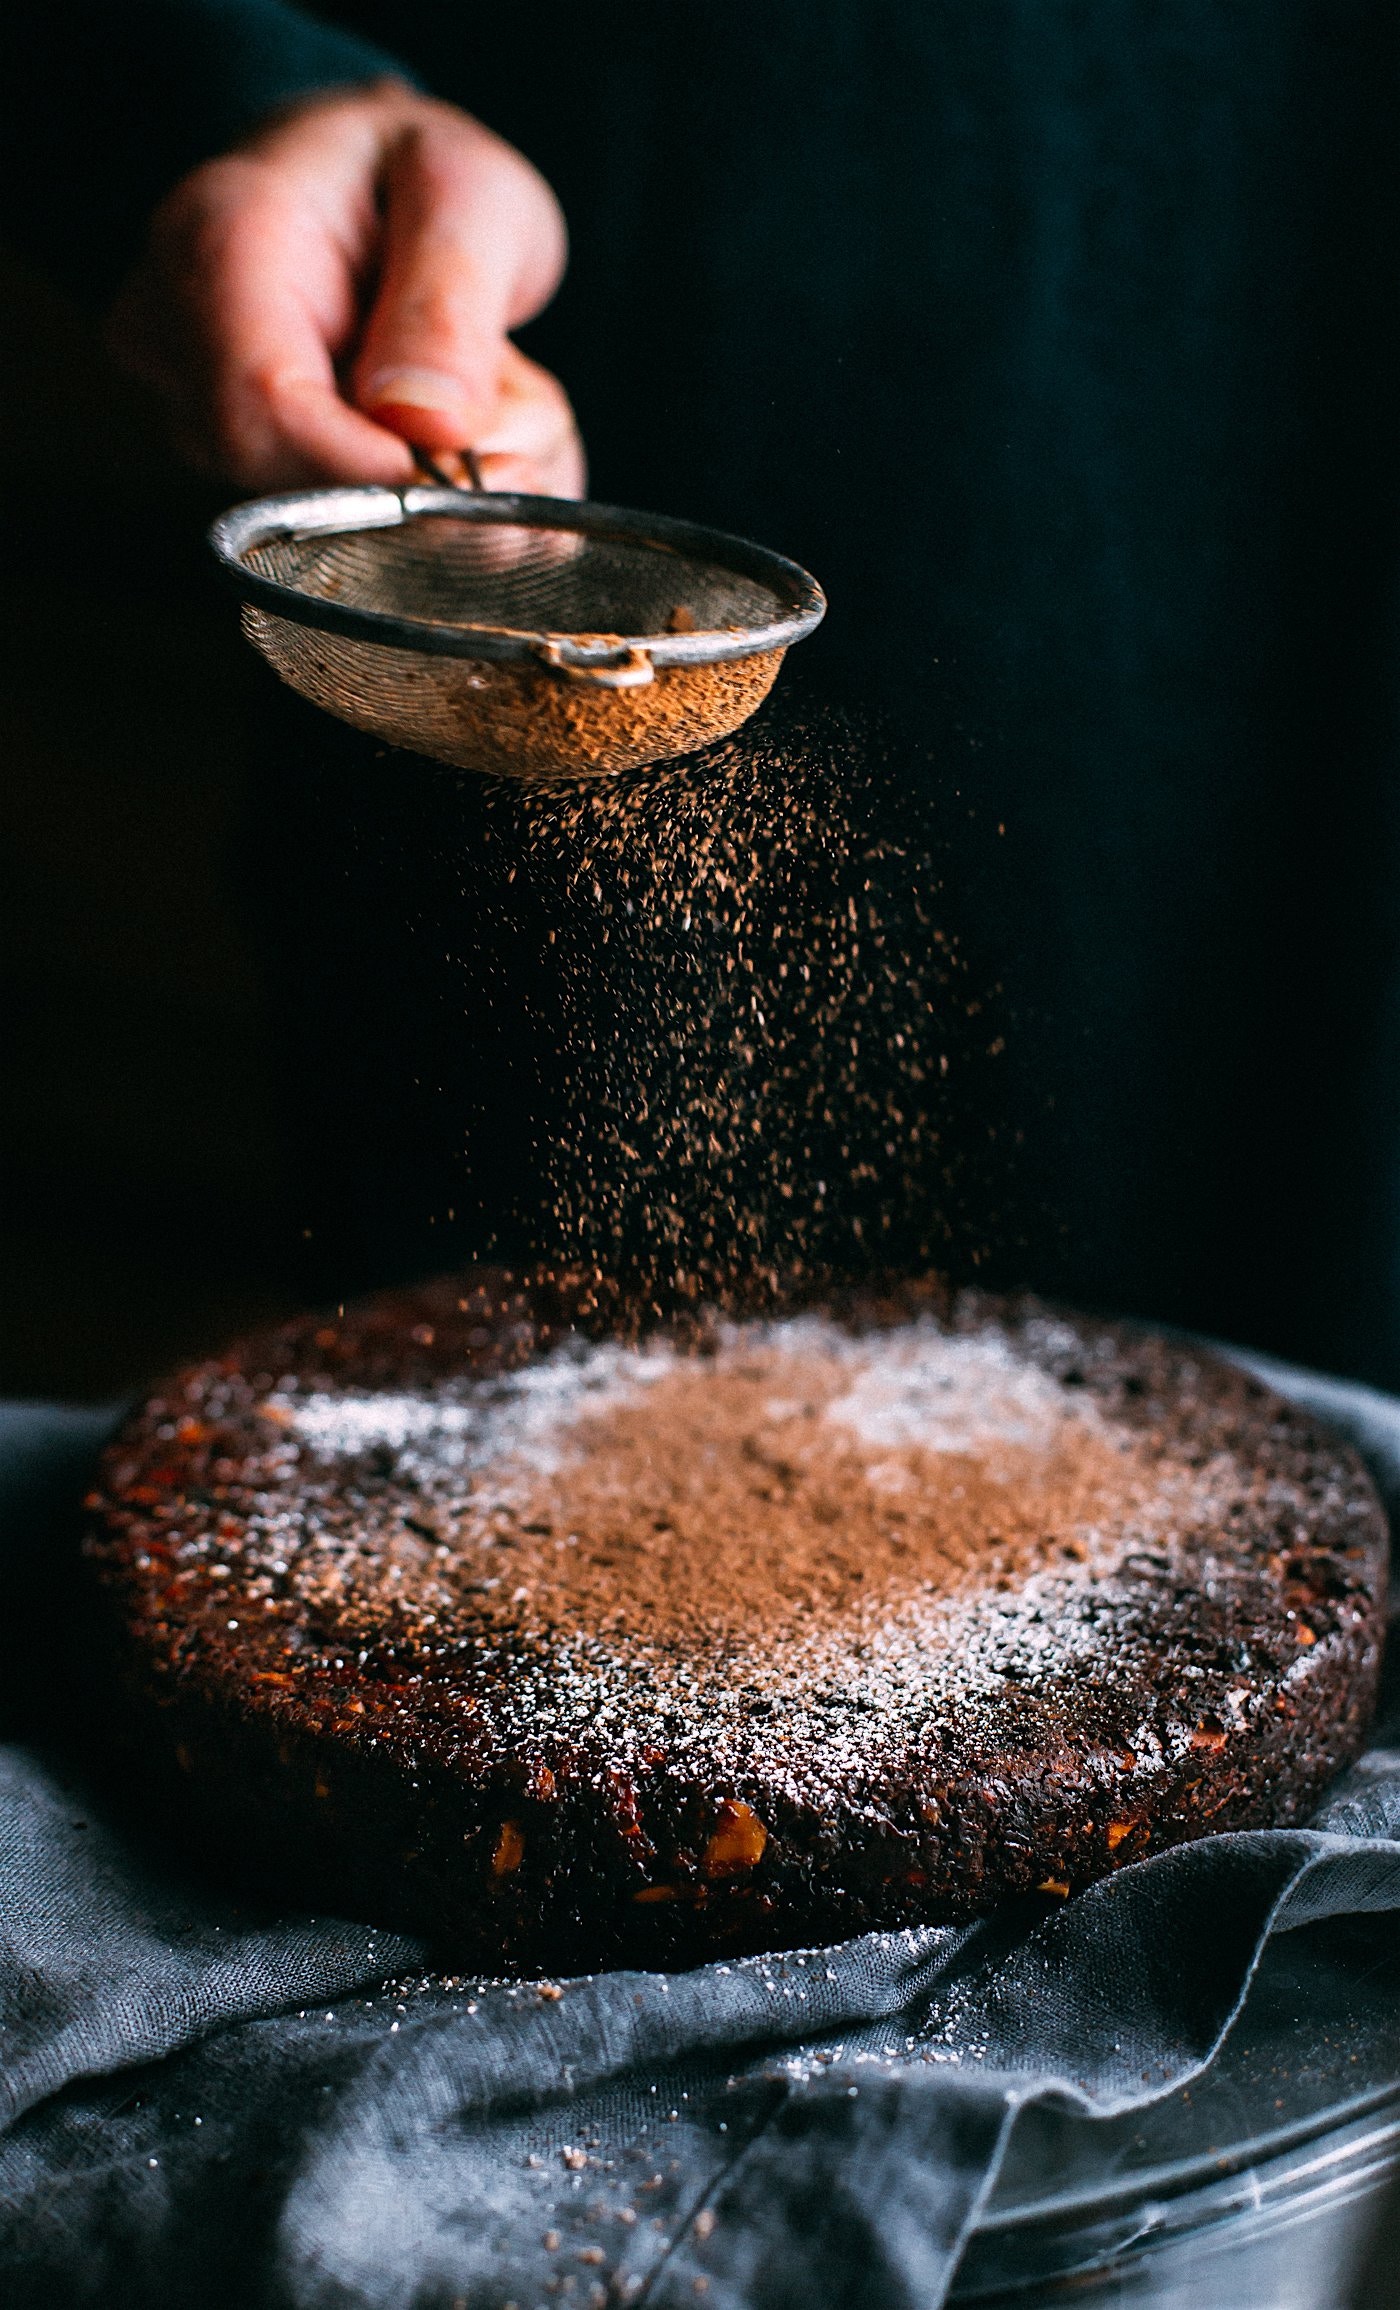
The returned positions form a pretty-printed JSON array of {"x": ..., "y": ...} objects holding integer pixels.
[{"x": 533, "y": 636}]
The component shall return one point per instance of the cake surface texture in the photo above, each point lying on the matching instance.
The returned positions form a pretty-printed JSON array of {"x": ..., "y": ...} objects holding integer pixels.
[{"x": 573, "y": 1649}]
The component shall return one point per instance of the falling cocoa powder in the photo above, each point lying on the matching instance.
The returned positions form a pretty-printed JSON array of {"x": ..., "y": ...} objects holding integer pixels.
[{"x": 771, "y": 1063}]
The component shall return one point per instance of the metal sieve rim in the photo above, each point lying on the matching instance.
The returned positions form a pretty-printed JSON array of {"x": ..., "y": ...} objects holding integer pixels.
[{"x": 317, "y": 512}]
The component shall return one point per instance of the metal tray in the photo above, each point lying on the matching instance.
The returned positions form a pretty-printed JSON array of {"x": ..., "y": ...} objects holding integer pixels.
[{"x": 1255, "y": 2188}]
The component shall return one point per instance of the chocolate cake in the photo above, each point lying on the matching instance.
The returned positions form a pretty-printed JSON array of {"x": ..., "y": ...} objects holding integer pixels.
[{"x": 462, "y": 1612}]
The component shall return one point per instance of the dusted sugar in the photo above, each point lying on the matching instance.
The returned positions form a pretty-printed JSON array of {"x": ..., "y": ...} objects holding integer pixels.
[{"x": 579, "y": 1648}]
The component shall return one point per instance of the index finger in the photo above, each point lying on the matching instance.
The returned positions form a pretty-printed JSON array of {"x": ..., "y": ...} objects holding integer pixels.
[
  {"x": 281, "y": 416},
  {"x": 473, "y": 244}
]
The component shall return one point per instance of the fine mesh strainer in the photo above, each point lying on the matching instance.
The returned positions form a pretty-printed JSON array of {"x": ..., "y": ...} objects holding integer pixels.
[{"x": 527, "y": 635}]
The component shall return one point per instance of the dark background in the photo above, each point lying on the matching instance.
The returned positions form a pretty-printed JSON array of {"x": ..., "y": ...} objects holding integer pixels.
[
  {"x": 143, "y": 1205},
  {"x": 1157, "y": 392}
]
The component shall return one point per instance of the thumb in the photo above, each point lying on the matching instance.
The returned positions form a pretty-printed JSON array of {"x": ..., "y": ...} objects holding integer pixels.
[{"x": 472, "y": 244}]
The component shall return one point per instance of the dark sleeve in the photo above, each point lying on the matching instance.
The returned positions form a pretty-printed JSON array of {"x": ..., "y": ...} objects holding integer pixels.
[{"x": 104, "y": 104}]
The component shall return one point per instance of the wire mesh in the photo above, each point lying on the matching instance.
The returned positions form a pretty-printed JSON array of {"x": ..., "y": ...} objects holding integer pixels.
[
  {"x": 520, "y": 636},
  {"x": 552, "y": 581},
  {"x": 516, "y": 720}
]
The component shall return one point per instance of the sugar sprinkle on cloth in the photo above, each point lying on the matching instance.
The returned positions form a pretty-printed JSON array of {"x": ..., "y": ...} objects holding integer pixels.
[{"x": 202, "y": 2104}]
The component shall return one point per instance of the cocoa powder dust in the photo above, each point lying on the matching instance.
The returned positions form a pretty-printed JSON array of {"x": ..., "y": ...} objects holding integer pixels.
[
  {"x": 761, "y": 1059},
  {"x": 775, "y": 1480}
]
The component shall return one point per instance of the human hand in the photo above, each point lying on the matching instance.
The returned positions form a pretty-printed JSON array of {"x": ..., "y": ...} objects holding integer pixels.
[{"x": 343, "y": 285}]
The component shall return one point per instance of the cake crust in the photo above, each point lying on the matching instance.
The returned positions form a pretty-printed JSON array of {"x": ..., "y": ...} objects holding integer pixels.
[{"x": 469, "y": 1612}]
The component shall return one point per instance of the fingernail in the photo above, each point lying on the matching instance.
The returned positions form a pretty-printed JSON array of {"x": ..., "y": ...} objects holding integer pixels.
[{"x": 414, "y": 389}]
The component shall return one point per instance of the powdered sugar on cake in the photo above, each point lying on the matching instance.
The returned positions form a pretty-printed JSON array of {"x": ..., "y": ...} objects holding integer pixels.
[
  {"x": 971, "y": 1592},
  {"x": 817, "y": 1507},
  {"x": 914, "y": 1389}
]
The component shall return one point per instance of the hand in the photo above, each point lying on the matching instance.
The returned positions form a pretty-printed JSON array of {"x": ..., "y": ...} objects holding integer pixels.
[{"x": 343, "y": 285}]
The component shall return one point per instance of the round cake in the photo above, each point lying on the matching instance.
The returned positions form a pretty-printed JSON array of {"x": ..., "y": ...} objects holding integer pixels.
[{"x": 463, "y": 1612}]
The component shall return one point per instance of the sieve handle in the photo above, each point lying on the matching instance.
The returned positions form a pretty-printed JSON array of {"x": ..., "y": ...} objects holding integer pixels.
[
  {"x": 632, "y": 672},
  {"x": 428, "y": 464}
]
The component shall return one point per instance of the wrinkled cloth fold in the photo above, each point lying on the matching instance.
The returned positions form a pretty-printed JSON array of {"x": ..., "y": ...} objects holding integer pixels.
[{"x": 201, "y": 2103}]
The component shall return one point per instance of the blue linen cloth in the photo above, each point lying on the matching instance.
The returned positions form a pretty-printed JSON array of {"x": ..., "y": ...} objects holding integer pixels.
[{"x": 204, "y": 2103}]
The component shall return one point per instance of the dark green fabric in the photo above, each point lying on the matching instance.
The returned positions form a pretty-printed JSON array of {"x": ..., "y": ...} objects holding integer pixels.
[
  {"x": 104, "y": 104},
  {"x": 1060, "y": 338}
]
